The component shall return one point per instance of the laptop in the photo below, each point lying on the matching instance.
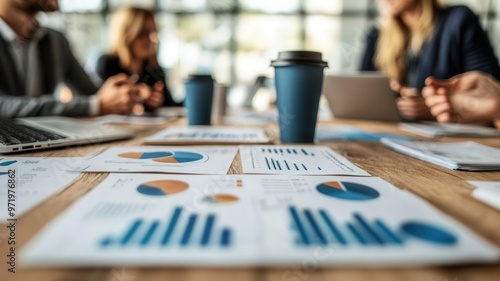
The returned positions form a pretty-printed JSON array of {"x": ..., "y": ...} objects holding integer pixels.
[
  {"x": 25, "y": 134},
  {"x": 364, "y": 95}
]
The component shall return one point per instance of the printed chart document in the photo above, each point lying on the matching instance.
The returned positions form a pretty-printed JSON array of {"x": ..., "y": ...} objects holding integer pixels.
[
  {"x": 488, "y": 192},
  {"x": 28, "y": 181},
  {"x": 435, "y": 129},
  {"x": 208, "y": 134},
  {"x": 250, "y": 220},
  {"x": 468, "y": 156},
  {"x": 350, "y": 133},
  {"x": 184, "y": 160},
  {"x": 296, "y": 160}
]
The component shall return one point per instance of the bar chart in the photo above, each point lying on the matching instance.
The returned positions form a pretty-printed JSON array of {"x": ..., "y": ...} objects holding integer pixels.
[
  {"x": 296, "y": 160},
  {"x": 181, "y": 229},
  {"x": 319, "y": 228}
]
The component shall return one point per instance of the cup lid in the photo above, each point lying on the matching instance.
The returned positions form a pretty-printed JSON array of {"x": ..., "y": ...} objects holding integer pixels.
[
  {"x": 199, "y": 77},
  {"x": 299, "y": 58}
]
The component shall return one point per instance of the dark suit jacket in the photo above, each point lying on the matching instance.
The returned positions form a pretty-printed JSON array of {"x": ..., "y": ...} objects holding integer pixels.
[
  {"x": 58, "y": 65},
  {"x": 458, "y": 45},
  {"x": 108, "y": 66}
]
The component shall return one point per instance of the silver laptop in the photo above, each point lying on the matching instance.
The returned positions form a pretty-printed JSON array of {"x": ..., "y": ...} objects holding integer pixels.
[
  {"x": 34, "y": 133},
  {"x": 364, "y": 95}
]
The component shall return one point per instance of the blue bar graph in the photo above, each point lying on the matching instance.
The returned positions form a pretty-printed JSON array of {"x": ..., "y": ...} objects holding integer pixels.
[
  {"x": 130, "y": 233},
  {"x": 179, "y": 230},
  {"x": 207, "y": 231},
  {"x": 318, "y": 228},
  {"x": 225, "y": 239},
  {"x": 171, "y": 226},
  {"x": 151, "y": 231},
  {"x": 189, "y": 229}
]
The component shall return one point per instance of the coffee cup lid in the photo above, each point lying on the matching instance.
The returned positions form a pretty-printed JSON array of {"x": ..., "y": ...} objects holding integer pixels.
[
  {"x": 299, "y": 58},
  {"x": 198, "y": 77}
]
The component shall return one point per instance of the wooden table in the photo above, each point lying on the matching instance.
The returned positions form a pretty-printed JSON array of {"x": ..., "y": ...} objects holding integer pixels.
[{"x": 445, "y": 189}]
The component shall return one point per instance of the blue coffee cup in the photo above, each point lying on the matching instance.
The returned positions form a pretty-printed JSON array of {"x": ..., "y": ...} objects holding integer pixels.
[
  {"x": 199, "y": 96},
  {"x": 298, "y": 81}
]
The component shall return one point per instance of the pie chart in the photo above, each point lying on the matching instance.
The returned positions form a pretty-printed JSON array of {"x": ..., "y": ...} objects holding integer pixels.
[
  {"x": 180, "y": 157},
  {"x": 162, "y": 187},
  {"x": 221, "y": 198},
  {"x": 347, "y": 191},
  {"x": 146, "y": 155},
  {"x": 173, "y": 157},
  {"x": 429, "y": 233}
]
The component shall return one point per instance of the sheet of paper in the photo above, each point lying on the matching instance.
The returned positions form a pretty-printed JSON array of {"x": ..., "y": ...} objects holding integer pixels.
[
  {"x": 468, "y": 156},
  {"x": 435, "y": 129},
  {"x": 134, "y": 120},
  {"x": 28, "y": 181},
  {"x": 208, "y": 134},
  {"x": 296, "y": 160},
  {"x": 212, "y": 160},
  {"x": 487, "y": 192},
  {"x": 244, "y": 220},
  {"x": 350, "y": 133}
]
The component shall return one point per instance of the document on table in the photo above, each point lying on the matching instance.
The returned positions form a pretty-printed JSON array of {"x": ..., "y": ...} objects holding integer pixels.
[
  {"x": 435, "y": 129},
  {"x": 28, "y": 181},
  {"x": 468, "y": 156},
  {"x": 296, "y": 160},
  {"x": 164, "y": 159},
  {"x": 250, "y": 220},
  {"x": 487, "y": 192},
  {"x": 208, "y": 134},
  {"x": 350, "y": 133}
]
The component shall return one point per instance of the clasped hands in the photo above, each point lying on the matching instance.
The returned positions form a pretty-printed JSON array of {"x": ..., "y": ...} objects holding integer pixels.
[{"x": 120, "y": 95}]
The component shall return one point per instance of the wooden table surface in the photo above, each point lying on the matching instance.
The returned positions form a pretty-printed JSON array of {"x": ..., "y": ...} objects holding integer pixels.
[{"x": 445, "y": 189}]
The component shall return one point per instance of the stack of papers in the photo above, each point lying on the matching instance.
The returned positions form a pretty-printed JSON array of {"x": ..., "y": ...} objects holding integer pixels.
[
  {"x": 468, "y": 156},
  {"x": 208, "y": 135},
  {"x": 487, "y": 192},
  {"x": 238, "y": 220},
  {"x": 434, "y": 129}
]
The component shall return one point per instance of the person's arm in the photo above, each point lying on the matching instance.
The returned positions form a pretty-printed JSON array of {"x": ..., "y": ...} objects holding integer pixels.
[{"x": 16, "y": 106}]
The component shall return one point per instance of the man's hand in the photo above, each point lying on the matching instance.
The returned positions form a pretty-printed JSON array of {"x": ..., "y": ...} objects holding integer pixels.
[
  {"x": 467, "y": 98},
  {"x": 115, "y": 95}
]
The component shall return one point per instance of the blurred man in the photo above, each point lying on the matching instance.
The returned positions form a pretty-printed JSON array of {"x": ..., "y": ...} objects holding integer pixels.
[
  {"x": 35, "y": 62},
  {"x": 472, "y": 97}
]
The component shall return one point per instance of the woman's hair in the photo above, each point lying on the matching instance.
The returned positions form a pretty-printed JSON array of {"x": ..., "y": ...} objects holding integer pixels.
[
  {"x": 395, "y": 39},
  {"x": 126, "y": 25}
]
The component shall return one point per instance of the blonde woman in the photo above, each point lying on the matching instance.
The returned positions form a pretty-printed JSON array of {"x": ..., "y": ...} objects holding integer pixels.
[
  {"x": 132, "y": 50},
  {"x": 420, "y": 38}
]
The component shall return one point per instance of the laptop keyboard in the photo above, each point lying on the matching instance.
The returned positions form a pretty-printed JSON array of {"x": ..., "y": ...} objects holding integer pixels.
[{"x": 14, "y": 133}]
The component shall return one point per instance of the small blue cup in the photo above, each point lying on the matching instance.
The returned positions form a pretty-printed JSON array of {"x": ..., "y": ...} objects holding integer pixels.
[
  {"x": 298, "y": 80},
  {"x": 199, "y": 96}
]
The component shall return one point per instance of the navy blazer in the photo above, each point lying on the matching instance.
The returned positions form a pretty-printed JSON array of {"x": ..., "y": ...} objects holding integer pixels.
[{"x": 458, "y": 45}]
